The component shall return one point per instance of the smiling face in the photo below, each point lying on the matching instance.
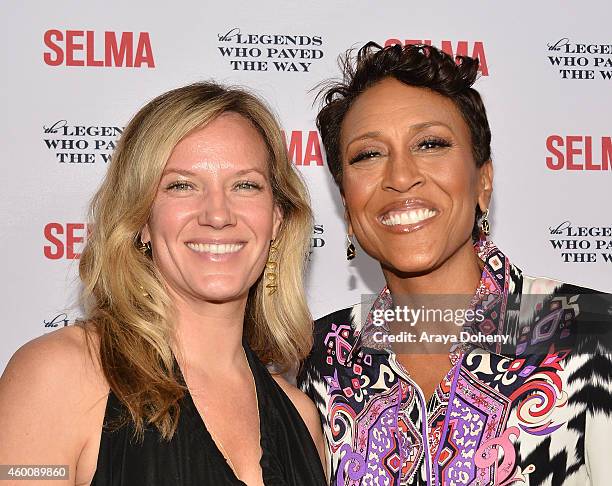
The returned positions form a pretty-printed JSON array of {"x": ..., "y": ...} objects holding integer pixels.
[
  {"x": 410, "y": 183},
  {"x": 214, "y": 214}
]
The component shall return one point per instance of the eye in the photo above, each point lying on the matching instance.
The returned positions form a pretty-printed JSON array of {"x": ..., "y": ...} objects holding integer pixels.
[
  {"x": 247, "y": 185},
  {"x": 179, "y": 186},
  {"x": 366, "y": 154},
  {"x": 432, "y": 143}
]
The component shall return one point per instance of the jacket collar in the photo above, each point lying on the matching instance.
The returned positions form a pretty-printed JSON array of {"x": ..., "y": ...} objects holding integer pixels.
[{"x": 497, "y": 296}]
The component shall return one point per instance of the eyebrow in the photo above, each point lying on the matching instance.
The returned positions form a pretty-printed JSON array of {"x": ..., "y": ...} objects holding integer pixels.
[
  {"x": 413, "y": 128},
  {"x": 177, "y": 171},
  {"x": 246, "y": 171},
  {"x": 188, "y": 173}
]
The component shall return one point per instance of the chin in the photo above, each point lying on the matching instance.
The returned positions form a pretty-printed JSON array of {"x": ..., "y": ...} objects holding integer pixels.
[
  {"x": 412, "y": 264},
  {"x": 223, "y": 290},
  {"x": 220, "y": 296}
]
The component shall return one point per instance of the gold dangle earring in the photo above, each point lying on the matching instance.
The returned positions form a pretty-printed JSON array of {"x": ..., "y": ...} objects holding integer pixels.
[
  {"x": 485, "y": 227},
  {"x": 350, "y": 249},
  {"x": 144, "y": 248},
  {"x": 271, "y": 271}
]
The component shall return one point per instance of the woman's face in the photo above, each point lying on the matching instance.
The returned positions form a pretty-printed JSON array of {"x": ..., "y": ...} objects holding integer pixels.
[
  {"x": 214, "y": 215},
  {"x": 410, "y": 183}
]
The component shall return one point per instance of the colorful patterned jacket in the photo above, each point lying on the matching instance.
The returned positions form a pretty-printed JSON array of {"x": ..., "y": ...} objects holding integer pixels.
[{"x": 537, "y": 412}]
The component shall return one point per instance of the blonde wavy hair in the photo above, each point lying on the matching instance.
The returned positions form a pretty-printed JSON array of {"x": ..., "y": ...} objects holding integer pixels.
[{"x": 123, "y": 292}]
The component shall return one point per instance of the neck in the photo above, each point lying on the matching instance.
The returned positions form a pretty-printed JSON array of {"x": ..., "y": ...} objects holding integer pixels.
[
  {"x": 459, "y": 275},
  {"x": 451, "y": 286},
  {"x": 208, "y": 335}
]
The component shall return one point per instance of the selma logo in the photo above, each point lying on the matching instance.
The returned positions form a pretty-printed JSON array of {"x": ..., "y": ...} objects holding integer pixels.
[
  {"x": 578, "y": 152},
  {"x": 459, "y": 48},
  {"x": 64, "y": 240},
  {"x": 304, "y": 148},
  {"x": 78, "y": 48}
]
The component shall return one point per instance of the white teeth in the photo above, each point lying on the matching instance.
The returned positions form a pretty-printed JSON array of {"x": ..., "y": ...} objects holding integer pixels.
[
  {"x": 408, "y": 217},
  {"x": 215, "y": 248}
]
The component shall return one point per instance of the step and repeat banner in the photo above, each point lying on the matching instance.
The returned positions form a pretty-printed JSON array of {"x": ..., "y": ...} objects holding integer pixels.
[{"x": 73, "y": 73}]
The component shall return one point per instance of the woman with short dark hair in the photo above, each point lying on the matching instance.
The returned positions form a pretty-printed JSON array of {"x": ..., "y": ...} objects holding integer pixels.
[{"x": 513, "y": 388}]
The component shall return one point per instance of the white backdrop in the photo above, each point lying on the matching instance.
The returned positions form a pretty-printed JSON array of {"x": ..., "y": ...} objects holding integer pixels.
[{"x": 73, "y": 74}]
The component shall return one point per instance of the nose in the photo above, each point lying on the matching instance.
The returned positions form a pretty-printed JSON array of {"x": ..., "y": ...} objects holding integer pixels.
[
  {"x": 216, "y": 210},
  {"x": 401, "y": 173}
]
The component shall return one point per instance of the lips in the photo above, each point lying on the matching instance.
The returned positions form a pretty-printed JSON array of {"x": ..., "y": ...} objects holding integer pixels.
[
  {"x": 413, "y": 213},
  {"x": 411, "y": 216},
  {"x": 217, "y": 248}
]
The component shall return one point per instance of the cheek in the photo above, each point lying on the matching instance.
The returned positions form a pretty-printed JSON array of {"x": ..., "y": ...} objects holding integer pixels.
[
  {"x": 258, "y": 215},
  {"x": 461, "y": 188},
  {"x": 167, "y": 218},
  {"x": 458, "y": 178},
  {"x": 358, "y": 189}
]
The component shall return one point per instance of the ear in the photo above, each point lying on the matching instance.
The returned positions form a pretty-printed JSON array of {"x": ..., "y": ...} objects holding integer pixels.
[
  {"x": 277, "y": 219},
  {"x": 145, "y": 234},
  {"x": 485, "y": 185},
  {"x": 347, "y": 217}
]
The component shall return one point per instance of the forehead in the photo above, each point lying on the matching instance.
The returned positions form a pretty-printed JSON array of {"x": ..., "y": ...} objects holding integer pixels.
[
  {"x": 228, "y": 141},
  {"x": 393, "y": 104}
]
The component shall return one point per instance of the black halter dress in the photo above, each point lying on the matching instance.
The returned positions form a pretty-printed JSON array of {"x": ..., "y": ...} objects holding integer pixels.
[{"x": 191, "y": 457}]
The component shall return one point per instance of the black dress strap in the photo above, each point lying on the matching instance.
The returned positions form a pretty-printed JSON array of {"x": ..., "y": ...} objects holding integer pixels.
[
  {"x": 289, "y": 455},
  {"x": 191, "y": 457}
]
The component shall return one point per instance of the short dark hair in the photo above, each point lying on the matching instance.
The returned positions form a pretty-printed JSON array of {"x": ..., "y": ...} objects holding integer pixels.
[{"x": 415, "y": 65}]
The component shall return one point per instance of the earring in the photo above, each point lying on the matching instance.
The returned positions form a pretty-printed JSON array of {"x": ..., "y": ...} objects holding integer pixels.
[
  {"x": 144, "y": 248},
  {"x": 485, "y": 227},
  {"x": 350, "y": 249},
  {"x": 270, "y": 273}
]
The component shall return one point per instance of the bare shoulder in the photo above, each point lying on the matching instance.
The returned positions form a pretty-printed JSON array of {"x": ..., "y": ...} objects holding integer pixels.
[
  {"x": 68, "y": 356},
  {"x": 49, "y": 392},
  {"x": 300, "y": 400},
  {"x": 307, "y": 410}
]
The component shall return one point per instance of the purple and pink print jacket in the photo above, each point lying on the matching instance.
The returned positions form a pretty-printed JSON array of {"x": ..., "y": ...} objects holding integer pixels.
[{"x": 535, "y": 412}]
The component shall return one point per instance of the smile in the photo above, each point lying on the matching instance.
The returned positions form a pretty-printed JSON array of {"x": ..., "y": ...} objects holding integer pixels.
[
  {"x": 215, "y": 248},
  {"x": 407, "y": 216}
]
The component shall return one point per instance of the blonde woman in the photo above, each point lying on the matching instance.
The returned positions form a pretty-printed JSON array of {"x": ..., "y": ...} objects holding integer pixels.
[{"x": 193, "y": 278}]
